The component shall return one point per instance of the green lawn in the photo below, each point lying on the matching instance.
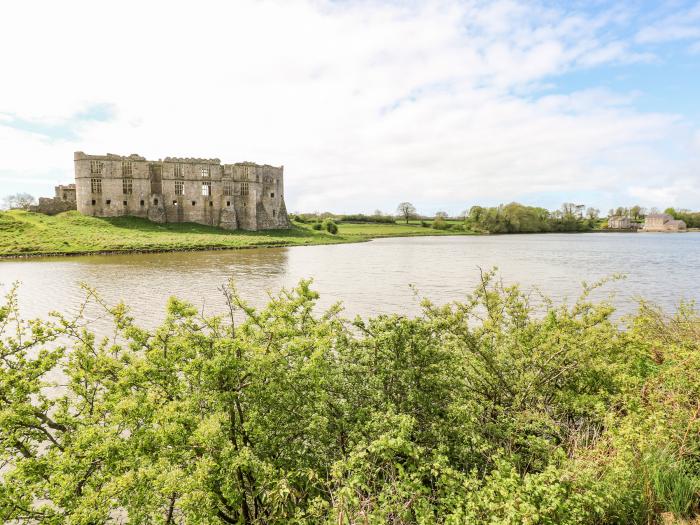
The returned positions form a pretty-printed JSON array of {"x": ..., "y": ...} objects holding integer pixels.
[
  {"x": 26, "y": 233},
  {"x": 390, "y": 230}
]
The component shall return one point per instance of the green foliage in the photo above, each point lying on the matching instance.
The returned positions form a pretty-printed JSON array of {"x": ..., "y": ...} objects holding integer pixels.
[
  {"x": 317, "y": 226},
  {"x": 330, "y": 226},
  {"x": 483, "y": 411},
  {"x": 360, "y": 217},
  {"x": 439, "y": 223},
  {"x": 517, "y": 218}
]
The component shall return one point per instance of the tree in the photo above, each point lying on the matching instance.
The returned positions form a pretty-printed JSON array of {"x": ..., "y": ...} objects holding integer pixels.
[
  {"x": 406, "y": 210},
  {"x": 19, "y": 201},
  {"x": 476, "y": 213},
  {"x": 592, "y": 213},
  {"x": 441, "y": 215}
]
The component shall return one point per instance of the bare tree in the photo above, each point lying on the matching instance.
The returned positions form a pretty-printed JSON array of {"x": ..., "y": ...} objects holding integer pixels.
[
  {"x": 406, "y": 210},
  {"x": 593, "y": 213},
  {"x": 19, "y": 201},
  {"x": 441, "y": 215}
]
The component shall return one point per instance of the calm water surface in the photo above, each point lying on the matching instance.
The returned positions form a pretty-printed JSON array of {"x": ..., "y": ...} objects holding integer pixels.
[{"x": 371, "y": 277}]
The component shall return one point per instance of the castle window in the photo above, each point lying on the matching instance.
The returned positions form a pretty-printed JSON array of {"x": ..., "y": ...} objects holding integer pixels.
[
  {"x": 155, "y": 201},
  {"x": 127, "y": 185},
  {"x": 108, "y": 202},
  {"x": 124, "y": 203},
  {"x": 194, "y": 203},
  {"x": 244, "y": 188},
  {"x": 126, "y": 168},
  {"x": 178, "y": 171},
  {"x": 179, "y": 187},
  {"x": 206, "y": 188},
  {"x": 228, "y": 203},
  {"x": 94, "y": 202},
  {"x": 96, "y": 185},
  {"x": 272, "y": 195},
  {"x": 274, "y": 213},
  {"x": 228, "y": 188},
  {"x": 174, "y": 203},
  {"x": 143, "y": 203},
  {"x": 211, "y": 204},
  {"x": 96, "y": 167},
  {"x": 257, "y": 178},
  {"x": 205, "y": 172}
]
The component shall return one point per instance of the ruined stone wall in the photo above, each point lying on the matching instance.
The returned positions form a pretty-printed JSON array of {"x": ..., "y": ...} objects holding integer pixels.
[
  {"x": 243, "y": 195},
  {"x": 52, "y": 206}
]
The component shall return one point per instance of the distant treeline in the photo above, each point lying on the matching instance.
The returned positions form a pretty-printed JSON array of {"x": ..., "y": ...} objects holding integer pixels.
[
  {"x": 517, "y": 218},
  {"x": 355, "y": 217},
  {"x": 506, "y": 218}
]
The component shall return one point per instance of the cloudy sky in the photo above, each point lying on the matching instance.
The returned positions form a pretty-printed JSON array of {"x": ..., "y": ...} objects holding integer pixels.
[{"x": 366, "y": 103}]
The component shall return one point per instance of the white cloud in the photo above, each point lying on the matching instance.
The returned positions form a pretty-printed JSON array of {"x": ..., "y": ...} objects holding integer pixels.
[
  {"x": 681, "y": 25},
  {"x": 365, "y": 104}
]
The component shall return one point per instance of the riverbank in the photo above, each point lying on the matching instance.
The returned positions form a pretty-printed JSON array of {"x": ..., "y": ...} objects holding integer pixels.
[{"x": 27, "y": 234}]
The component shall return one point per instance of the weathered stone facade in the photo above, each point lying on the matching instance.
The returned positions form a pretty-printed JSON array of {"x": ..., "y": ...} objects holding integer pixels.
[
  {"x": 64, "y": 200},
  {"x": 663, "y": 222},
  {"x": 619, "y": 223},
  {"x": 243, "y": 195}
]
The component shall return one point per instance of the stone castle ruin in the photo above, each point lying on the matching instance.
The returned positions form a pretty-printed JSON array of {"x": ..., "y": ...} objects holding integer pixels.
[
  {"x": 243, "y": 195},
  {"x": 63, "y": 200}
]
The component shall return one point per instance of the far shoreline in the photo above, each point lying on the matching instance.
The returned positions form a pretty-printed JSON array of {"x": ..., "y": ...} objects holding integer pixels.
[{"x": 28, "y": 235}]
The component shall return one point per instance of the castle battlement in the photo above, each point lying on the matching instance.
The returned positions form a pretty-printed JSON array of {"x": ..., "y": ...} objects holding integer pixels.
[{"x": 242, "y": 195}]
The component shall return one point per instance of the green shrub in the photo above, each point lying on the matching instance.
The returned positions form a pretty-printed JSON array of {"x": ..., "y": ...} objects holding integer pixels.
[
  {"x": 317, "y": 226},
  {"x": 330, "y": 226},
  {"x": 484, "y": 411},
  {"x": 440, "y": 224}
]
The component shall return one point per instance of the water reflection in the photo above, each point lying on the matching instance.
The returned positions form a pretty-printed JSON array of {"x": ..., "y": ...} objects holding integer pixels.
[{"x": 370, "y": 277}]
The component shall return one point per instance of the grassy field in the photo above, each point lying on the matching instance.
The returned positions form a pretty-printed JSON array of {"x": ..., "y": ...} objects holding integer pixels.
[
  {"x": 26, "y": 234},
  {"x": 399, "y": 229}
]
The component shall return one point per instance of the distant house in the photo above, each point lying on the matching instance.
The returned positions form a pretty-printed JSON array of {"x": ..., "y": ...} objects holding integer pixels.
[
  {"x": 662, "y": 222},
  {"x": 619, "y": 223}
]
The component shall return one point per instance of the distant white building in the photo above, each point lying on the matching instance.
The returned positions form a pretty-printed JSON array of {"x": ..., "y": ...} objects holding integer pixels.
[
  {"x": 619, "y": 223},
  {"x": 663, "y": 222}
]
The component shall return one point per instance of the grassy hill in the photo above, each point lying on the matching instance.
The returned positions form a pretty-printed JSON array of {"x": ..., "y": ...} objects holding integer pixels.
[{"x": 24, "y": 234}]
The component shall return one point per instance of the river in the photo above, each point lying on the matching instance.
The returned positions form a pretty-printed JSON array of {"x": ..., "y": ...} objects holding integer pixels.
[{"x": 378, "y": 276}]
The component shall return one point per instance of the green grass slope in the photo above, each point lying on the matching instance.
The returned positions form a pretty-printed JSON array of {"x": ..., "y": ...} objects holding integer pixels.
[{"x": 29, "y": 234}]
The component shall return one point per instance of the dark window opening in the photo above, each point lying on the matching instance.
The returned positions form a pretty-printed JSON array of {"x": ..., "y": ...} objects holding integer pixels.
[
  {"x": 273, "y": 213},
  {"x": 124, "y": 203},
  {"x": 211, "y": 203},
  {"x": 193, "y": 203},
  {"x": 175, "y": 203},
  {"x": 93, "y": 202},
  {"x": 108, "y": 202},
  {"x": 228, "y": 203},
  {"x": 155, "y": 201},
  {"x": 143, "y": 203},
  {"x": 272, "y": 195}
]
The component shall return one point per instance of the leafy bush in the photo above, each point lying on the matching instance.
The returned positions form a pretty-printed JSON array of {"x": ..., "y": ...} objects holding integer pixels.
[
  {"x": 483, "y": 411},
  {"x": 317, "y": 226},
  {"x": 330, "y": 226},
  {"x": 440, "y": 224}
]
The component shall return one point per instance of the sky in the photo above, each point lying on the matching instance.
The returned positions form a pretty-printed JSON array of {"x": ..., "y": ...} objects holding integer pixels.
[{"x": 445, "y": 104}]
